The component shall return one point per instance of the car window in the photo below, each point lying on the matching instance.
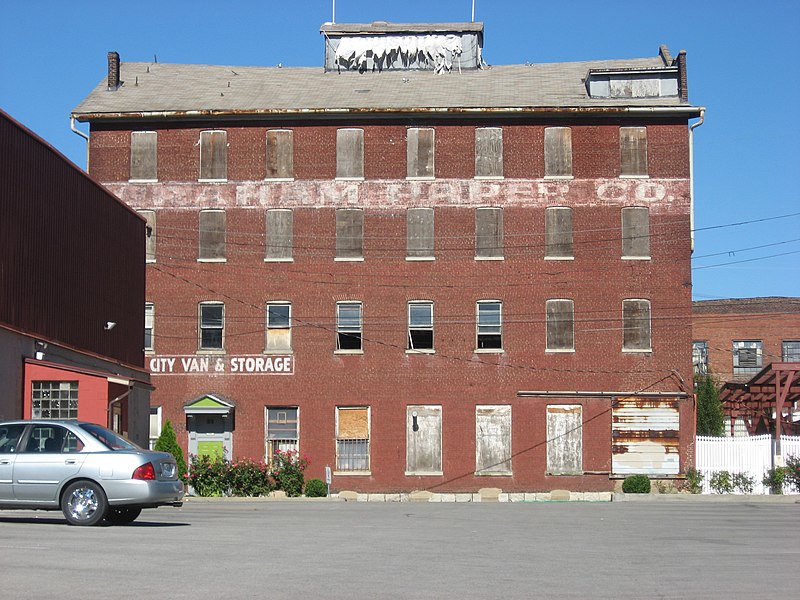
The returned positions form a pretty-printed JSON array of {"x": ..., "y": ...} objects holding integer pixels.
[
  {"x": 46, "y": 439},
  {"x": 72, "y": 443},
  {"x": 9, "y": 438},
  {"x": 108, "y": 438}
]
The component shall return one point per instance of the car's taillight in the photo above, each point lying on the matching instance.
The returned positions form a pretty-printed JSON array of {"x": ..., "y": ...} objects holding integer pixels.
[{"x": 146, "y": 471}]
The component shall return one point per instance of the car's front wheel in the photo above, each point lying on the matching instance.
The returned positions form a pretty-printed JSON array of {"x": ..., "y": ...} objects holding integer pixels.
[
  {"x": 84, "y": 503},
  {"x": 122, "y": 515}
]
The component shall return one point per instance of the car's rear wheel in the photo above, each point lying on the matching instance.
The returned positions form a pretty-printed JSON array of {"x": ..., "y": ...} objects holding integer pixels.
[
  {"x": 122, "y": 515},
  {"x": 84, "y": 503}
]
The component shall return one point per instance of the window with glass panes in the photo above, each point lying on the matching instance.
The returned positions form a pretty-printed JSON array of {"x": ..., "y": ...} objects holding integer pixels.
[
  {"x": 212, "y": 324},
  {"x": 55, "y": 400},
  {"x": 489, "y": 325}
]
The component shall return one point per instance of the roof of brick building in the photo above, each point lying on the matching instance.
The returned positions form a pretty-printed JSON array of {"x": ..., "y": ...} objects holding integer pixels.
[{"x": 771, "y": 304}]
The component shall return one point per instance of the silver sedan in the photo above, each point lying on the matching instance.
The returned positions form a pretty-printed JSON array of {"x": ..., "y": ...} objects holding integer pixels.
[{"x": 87, "y": 471}]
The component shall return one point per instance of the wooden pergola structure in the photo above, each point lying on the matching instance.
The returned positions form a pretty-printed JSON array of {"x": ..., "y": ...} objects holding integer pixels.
[{"x": 768, "y": 402}]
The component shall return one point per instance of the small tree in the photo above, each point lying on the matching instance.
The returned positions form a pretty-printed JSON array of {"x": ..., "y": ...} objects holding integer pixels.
[
  {"x": 168, "y": 442},
  {"x": 710, "y": 416}
]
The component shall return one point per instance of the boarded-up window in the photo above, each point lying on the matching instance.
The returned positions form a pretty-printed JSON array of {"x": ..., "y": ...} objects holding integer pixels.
[
  {"x": 560, "y": 325},
  {"x": 633, "y": 150},
  {"x": 424, "y": 440},
  {"x": 350, "y": 153},
  {"x": 420, "y": 153},
  {"x": 279, "y": 234},
  {"x": 212, "y": 325},
  {"x": 149, "y": 323},
  {"x": 636, "y": 325},
  {"x": 489, "y": 233},
  {"x": 214, "y": 155},
  {"x": 150, "y": 234},
  {"x": 564, "y": 439},
  {"x": 283, "y": 430},
  {"x": 636, "y": 232},
  {"x": 352, "y": 439},
  {"x": 348, "y": 326},
  {"x": 493, "y": 440},
  {"x": 558, "y": 152},
  {"x": 419, "y": 232},
  {"x": 489, "y": 152},
  {"x": 349, "y": 233},
  {"x": 558, "y": 232},
  {"x": 280, "y": 154},
  {"x": 748, "y": 357},
  {"x": 489, "y": 329},
  {"x": 420, "y": 325},
  {"x": 144, "y": 156},
  {"x": 279, "y": 327},
  {"x": 212, "y": 235}
]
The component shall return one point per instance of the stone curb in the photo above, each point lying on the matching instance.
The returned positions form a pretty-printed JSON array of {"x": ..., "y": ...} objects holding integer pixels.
[{"x": 705, "y": 498}]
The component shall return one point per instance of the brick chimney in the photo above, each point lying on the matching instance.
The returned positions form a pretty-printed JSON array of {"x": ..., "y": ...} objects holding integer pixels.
[
  {"x": 113, "y": 71},
  {"x": 683, "y": 85}
]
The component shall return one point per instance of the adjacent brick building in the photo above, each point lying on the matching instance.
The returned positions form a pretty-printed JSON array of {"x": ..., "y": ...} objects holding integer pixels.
[
  {"x": 72, "y": 278},
  {"x": 422, "y": 271}
]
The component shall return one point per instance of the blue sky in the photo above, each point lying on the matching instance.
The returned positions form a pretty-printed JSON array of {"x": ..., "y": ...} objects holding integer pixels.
[{"x": 747, "y": 153}]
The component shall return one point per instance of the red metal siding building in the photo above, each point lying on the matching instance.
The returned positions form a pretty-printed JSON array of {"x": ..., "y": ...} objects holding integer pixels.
[
  {"x": 72, "y": 261},
  {"x": 427, "y": 281}
]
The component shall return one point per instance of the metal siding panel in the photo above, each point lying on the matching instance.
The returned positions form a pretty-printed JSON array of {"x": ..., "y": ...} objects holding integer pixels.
[{"x": 645, "y": 437}]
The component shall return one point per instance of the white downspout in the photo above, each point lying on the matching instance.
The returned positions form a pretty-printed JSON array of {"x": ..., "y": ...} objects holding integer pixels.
[
  {"x": 692, "y": 127},
  {"x": 83, "y": 135}
]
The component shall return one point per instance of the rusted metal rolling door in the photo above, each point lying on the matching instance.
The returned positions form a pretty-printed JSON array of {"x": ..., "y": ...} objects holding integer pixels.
[{"x": 645, "y": 435}]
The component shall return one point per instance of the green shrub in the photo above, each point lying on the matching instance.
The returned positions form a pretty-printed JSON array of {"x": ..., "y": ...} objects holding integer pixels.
[
  {"x": 743, "y": 482},
  {"x": 316, "y": 488},
  {"x": 168, "y": 442},
  {"x": 774, "y": 480},
  {"x": 248, "y": 477},
  {"x": 694, "y": 481},
  {"x": 287, "y": 471},
  {"x": 721, "y": 482},
  {"x": 636, "y": 484},
  {"x": 793, "y": 472},
  {"x": 208, "y": 475}
]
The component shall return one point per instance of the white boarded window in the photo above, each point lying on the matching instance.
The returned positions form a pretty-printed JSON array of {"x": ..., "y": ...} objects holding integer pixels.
[
  {"x": 348, "y": 327},
  {"x": 633, "y": 151},
  {"x": 636, "y": 232},
  {"x": 636, "y": 325},
  {"x": 144, "y": 157},
  {"x": 213, "y": 155},
  {"x": 150, "y": 234},
  {"x": 420, "y": 153},
  {"x": 564, "y": 439},
  {"x": 283, "y": 430},
  {"x": 212, "y": 235},
  {"x": 493, "y": 440},
  {"x": 419, "y": 233},
  {"x": 149, "y": 323},
  {"x": 420, "y": 326},
  {"x": 558, "y": 232},
  {"x": 558, "y": 152},
  {"x": 280, "y": 226},
  {"x": 489, "y": 152},
  {"x": 279, "y": 327},
  {"x": 349, "y": 234},
  {"x": 489, "y": 326},
  {"x": 488, "y": 233},
  {"x": 352, "y": 439},
  {"x": 280, "y": 154},
  {"x": 350, "y": 153},
  {"x": 560, "y": 325},
  {"x": 423, "y": 440}
]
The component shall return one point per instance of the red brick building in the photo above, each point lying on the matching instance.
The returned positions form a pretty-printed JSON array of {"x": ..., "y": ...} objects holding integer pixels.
[
  {"x": 72, "y": 277},
  {"x": 422, "y": 271}
]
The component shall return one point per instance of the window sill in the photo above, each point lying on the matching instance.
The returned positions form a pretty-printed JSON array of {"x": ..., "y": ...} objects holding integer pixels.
[
  {"x": 278, "y": 179},
  {"x": 420, "y": 178},
  {"x": 149, "y": 352},
  {"x": 212, "y": 260},
  {"x": 559, "y": 350},
  {"x": 559, "y": 258},
  {"x": 559, "y": 177},
  {"x": 150, "y": 261},
  {"x": 637, "y": 351},
  {"x": 489, "y": 351},
  {"x": 142, "y": 180},
  {"x": 211, "y": 351},
  {"x": 494, "y": 474},
  {"x": 490, "y": 258},
  {"x": 348, "y": 179},
  {"x": 634, "y": 176},
  {"x": 576, "y": 474},
  {"x": 420, "y": 258},
  {"x": 213, "y": 180},
  {"x": 278, "y": 260},
  {"x": 635, "y": 258},
  {"x": 489, "y": 177},
  {"x": 287, "y": 352},
  {"x": 350, "y": 473},
  {"x": 426, "y": 474},
  {"x": 355, "y": 259},
  {"x": 420, "y": 351},
  {"x": 348, "y": 352}
]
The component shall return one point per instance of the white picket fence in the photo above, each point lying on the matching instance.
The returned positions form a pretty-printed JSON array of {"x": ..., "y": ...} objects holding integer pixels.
[{"x": 751, "y": 455}]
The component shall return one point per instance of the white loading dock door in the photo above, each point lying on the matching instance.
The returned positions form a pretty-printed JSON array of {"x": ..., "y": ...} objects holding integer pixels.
[{"x": 645, "y": 436}]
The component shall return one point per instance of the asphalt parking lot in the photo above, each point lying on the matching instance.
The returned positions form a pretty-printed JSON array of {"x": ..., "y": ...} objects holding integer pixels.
[{"x": 393, "y": 550}]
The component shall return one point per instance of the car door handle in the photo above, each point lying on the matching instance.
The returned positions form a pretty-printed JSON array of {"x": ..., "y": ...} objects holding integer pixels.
[
  {"x": 5, "y": 462},
  {"x": 69, "y": 461}
]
